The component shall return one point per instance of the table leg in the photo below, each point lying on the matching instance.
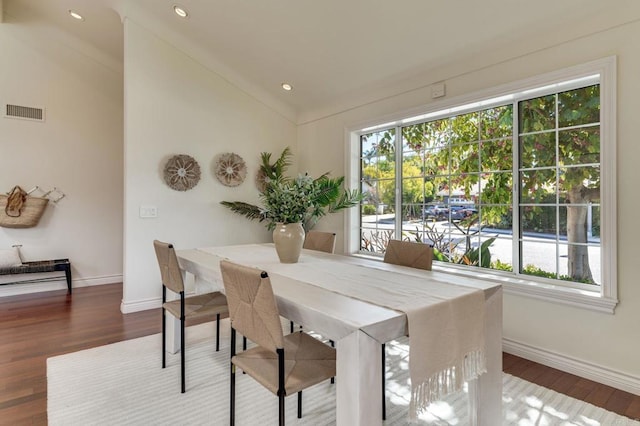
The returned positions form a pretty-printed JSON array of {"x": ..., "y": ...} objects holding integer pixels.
[
  {"x": 358, "y": 393},
  {"x": 485, "y": 393},
  {"x": 173, "y": 334}
]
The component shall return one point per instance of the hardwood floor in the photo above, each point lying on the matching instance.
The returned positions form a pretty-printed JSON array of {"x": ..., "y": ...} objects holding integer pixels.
[
  {"x": 38, "y": 326},
  {"x": 604, "y": 396}
]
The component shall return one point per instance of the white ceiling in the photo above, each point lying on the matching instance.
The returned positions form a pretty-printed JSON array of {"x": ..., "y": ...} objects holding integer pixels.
[{"x": 334, "y": 52}]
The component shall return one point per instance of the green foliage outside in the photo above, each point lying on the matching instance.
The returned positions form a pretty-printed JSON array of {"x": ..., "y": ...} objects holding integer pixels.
[
  {"x": 559, "y": 162},
  {"x": 368, "y": 209}
]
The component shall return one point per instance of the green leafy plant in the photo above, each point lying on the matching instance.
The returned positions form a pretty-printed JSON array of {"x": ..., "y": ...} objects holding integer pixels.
[{"x": 291, "y": 200}]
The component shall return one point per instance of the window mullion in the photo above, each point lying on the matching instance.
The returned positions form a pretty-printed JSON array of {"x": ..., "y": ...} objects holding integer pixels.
[
  {"x": 516, "y": 184},
  {"x": 398, "y": 185},
  {"x": 557, "y": 206}
]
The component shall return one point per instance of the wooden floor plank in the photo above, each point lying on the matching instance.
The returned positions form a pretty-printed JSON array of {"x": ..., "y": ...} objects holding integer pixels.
[{"x": 37, "y": 326}]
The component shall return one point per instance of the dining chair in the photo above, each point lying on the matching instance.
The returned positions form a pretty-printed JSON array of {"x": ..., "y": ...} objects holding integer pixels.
[
  {"x": 201, "y": 307},
  {"x": 320, "y": 241},
  {"x": 409, "y": 253},
  {"x": 283, "y": 364},
  {"x": 413, "y": 255}
]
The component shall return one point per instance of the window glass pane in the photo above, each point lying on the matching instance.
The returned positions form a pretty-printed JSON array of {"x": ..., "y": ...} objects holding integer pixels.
[
  {"x": 579, "y": 146},
  {"x": 538, "y": 221},
  {"x": 465, "y": 158},
  {"x": 375, "y": 240},
  {"x": 464, "y": 128},
  {"x": 496, "y": 122},
  {"x": 496, "y": 155},
  {"x": 583, "y": 221},
  {"x": 579, "y": 106},
  {"x": 412, "y": 196},
  {"x": 593, "y": 222},
  {"x": 537, "y": 114},
  {"x": 442, "y": 186},
  {"x": 433, "y": 134},
  {"x": 538, "y": 150},
  {"x": 496, "y": 188},
  {"x": 367, "y": 147},
  {"x": 500, "y": 250},
  {"x": 377, "y": 183},
  {"x": 539, "y": 258},
  {"x": 586, "y": 270},
  {"x": 580, "y": 185},
  {"x": 538, "y": 186},
  {"x": 434, "y": 164},
  {"x": 499, "y": 218}
]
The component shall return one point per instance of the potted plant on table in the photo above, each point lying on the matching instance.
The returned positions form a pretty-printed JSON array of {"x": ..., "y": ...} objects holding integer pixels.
[{"x": 292, "y": 205}]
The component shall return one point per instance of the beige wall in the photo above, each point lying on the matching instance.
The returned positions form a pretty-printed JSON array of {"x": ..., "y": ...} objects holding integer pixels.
[
  {"x": 174, "y": 105},
  {"x": 78, "y": 149},
  {"x": 608, "y": 341}
]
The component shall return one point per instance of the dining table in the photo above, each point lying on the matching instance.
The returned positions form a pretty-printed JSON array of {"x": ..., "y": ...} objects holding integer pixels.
[{"x": 328, "y": 293}]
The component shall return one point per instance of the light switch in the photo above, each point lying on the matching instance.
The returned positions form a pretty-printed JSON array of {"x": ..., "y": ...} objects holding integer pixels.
[{"x": 148, "y": 211}]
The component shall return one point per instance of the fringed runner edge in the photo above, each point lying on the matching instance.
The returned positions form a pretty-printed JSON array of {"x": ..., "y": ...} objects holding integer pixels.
[{"x": 446, "y": 382}]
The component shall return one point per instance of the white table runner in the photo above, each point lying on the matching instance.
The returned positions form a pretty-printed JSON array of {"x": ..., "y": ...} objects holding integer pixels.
[{"x": 445, "y": 321}]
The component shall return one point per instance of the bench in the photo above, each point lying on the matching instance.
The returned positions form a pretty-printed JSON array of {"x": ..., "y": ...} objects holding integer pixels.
[{"x": 38, "y": 267}]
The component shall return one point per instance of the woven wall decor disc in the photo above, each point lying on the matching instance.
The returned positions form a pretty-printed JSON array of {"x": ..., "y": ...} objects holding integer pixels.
[
  {"x": 182, "y": 172},
  {"x": 230, "y": 169}
]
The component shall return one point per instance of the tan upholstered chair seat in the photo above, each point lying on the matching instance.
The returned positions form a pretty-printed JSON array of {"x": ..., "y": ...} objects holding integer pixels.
[
  {"x": 306, "y": 363},
  {"x": 199, "y": 306}
]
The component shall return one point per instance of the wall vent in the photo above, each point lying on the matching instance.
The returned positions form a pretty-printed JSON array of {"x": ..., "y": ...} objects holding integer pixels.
[{"x": 23, "y": 112}]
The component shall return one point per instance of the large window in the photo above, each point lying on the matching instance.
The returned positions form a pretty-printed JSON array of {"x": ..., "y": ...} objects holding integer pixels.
[{"x": 512, "y": 184}]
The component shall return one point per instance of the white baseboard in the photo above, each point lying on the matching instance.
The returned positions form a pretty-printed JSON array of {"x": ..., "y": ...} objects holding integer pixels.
[
  {"x": 140, "y": 305},
  {"x": 613, "y": 378},
  {"x": 58, "y": 284}
]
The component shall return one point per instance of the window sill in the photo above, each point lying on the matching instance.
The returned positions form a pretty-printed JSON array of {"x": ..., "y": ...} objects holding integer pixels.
[{"x": 581, "y": 298}]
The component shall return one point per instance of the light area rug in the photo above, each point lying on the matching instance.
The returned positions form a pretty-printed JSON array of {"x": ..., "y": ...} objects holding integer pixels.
[{"x": 124, "y": 384}]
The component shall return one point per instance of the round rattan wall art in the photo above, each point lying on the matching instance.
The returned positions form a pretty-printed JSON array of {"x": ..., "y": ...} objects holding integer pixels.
[
  {"x": 182, "y": 172},
  {"x": 230, "y": 169}
]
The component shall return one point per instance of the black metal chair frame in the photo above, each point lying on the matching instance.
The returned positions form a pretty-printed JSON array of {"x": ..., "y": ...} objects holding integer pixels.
[{"x": 182, "y": 326}]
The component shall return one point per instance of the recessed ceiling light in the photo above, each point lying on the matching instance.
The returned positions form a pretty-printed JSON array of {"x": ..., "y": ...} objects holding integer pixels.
[
  {"x": 76, "y": 15},
  {"x": 180, "y": 11},
  {"x": 287, "y": 87}
]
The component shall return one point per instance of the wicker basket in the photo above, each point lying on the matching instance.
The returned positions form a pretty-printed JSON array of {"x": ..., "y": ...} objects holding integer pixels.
[{"x": 29, "y": 215}]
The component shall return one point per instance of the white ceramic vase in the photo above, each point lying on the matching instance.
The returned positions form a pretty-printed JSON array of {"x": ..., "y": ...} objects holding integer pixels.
[{"x": 288, "y": 239}]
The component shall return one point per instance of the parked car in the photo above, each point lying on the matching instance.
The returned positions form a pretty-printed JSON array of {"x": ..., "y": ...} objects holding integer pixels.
[
  {"x": 462, "y": 212},
  {"x": 439, "y": 211}
]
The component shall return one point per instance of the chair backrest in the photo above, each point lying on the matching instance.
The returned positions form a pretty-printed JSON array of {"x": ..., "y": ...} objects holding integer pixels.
[
  {"x": 252, "y": 305},
  {"x": 320, "y": 241},
  {"x": 169, "y": 268},
  {"x": 407, "y": 253}
]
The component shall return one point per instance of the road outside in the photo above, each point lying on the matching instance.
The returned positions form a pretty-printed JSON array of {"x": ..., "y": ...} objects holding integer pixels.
[{"x": 539, "y": 250}]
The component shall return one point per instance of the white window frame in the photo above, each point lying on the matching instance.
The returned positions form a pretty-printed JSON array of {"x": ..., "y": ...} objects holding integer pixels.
[{"x": 605, "y": 298}]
